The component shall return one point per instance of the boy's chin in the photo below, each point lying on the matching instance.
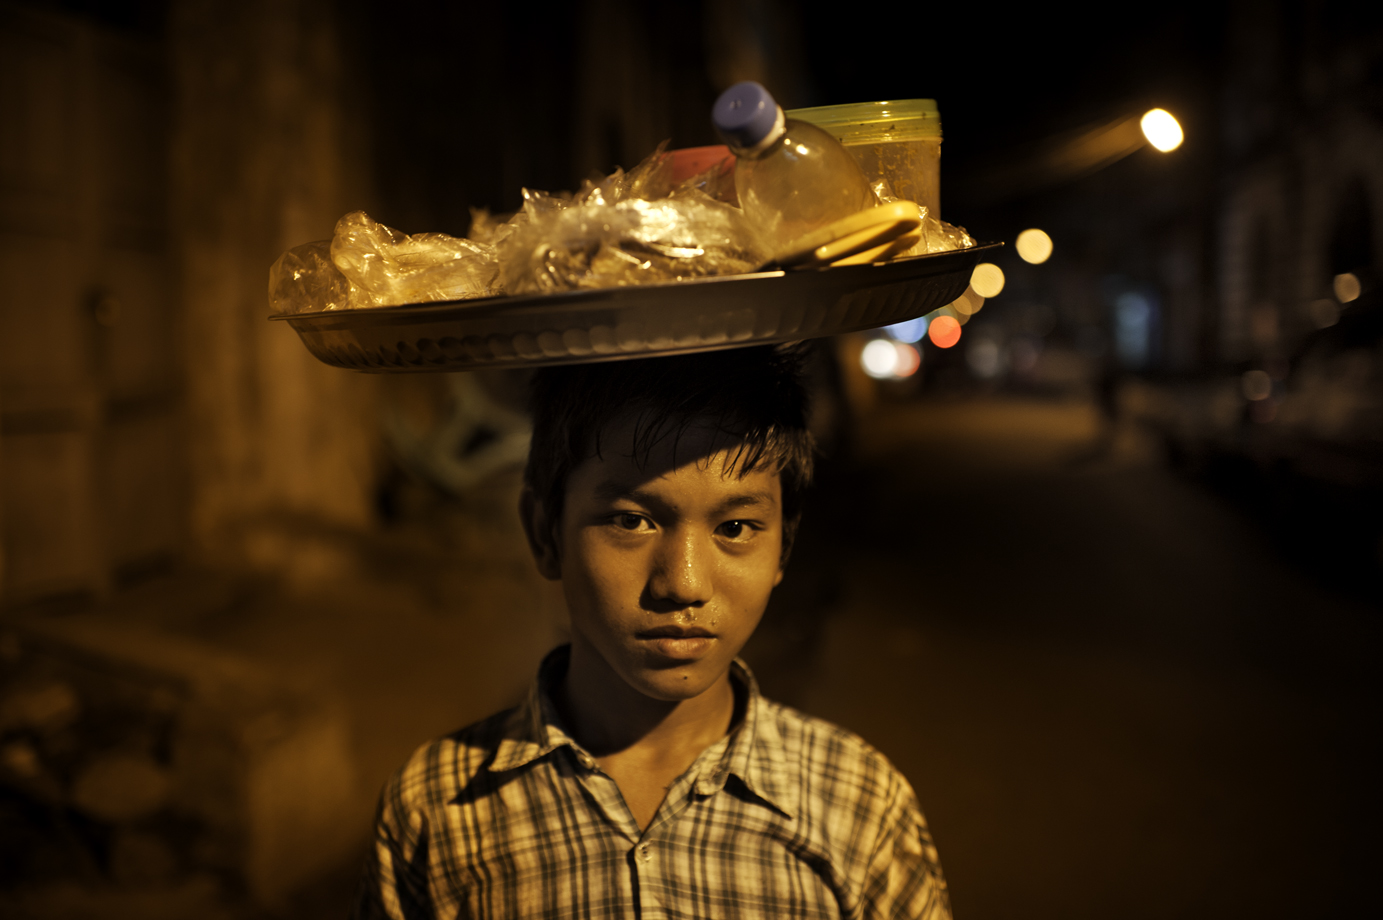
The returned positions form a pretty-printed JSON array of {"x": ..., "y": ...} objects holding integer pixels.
[{"x": 673, "y": 685}]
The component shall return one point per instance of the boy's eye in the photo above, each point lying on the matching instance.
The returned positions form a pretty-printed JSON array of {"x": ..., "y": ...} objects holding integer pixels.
[
  {"x": 732, "y": 529},
  {"x": 630, "y": 521}
]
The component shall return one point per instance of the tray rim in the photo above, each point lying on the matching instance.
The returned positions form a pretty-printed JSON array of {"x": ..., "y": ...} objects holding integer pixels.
[{"x": 478, "y": 307}]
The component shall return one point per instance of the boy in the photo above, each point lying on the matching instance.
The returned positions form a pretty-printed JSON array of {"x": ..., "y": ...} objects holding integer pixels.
[{"x": 645, "y": 776}]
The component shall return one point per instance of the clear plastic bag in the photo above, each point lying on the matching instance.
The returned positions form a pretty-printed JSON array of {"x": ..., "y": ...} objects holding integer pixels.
[
  {"x": 367, "y": 264},
  {"x": 626, "y": 228},
  {"x": 937, "y": 235},
  {"x": 386, "y": 267},
  {"x": 630, "y": 242},
  {"x": 304, "y": 280},
  {"x": 488, "y": 229}
]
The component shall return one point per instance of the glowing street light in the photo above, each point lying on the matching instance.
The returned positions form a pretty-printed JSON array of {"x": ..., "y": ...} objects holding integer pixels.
[
  {"x": 1162, "y": 130},
  {"x": 1083, "y": 152}
]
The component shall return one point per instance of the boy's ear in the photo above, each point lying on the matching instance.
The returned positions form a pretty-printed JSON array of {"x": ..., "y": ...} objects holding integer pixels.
[
  {"x": 542, "y": 537},
  {"x": 789, "y": 538}
]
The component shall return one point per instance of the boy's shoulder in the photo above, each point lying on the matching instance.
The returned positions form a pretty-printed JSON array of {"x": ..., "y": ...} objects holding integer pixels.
[
  {"x": 442, "y": 767},
  {"x": 800, "y": 730},
  {"x": 825, "y": 757}
]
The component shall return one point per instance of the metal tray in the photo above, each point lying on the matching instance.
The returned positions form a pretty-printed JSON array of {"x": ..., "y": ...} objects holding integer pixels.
[{"x": 610, "y": 324}]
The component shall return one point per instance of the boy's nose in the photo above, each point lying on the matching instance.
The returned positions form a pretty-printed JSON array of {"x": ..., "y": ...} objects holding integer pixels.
[{"x": 682, "y": 574}]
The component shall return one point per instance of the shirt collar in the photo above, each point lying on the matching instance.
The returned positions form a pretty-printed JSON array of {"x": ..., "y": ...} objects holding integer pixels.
[
  {"x": 534, "y": 729},
  {"x": 753, "y": 752}
]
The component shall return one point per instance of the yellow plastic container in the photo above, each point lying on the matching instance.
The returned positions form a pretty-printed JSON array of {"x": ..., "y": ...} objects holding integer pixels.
[{"x": 899, "y": 141}]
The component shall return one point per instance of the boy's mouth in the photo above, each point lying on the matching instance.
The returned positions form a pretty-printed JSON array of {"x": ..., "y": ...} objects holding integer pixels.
[
  {"x": 678, "y": 642},
  {"x": 676, "y": 632}
]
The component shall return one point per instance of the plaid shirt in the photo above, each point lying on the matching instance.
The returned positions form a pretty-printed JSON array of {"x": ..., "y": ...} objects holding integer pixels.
[{"x": 786, "y": 817}]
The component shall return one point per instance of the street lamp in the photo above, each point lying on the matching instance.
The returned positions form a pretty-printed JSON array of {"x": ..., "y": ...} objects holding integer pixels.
[
  {"x": 1077, "y": 154},
  {"x": 1162, "y": 130}
]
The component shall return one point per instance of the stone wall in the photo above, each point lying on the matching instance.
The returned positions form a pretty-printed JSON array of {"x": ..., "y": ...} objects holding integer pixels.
[{"x": 268, "y": 150}]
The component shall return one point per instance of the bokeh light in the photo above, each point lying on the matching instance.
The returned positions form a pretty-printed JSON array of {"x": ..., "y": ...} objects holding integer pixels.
[
  {"x": 879, "y": 359},
  {"x": 987, "y": 279},
  {"x": 966, "y": 305},
  {"x": 1162, "y": 130},
  {"x": 909, "y": 330},
  {"x": 1256, "y": 385},
  {"x": 944, "y": 331},
  {"x": 1023, "y": 354},
  {"x": 1325, "y": 312},
  {"x": 1347, "y": 287},
  {"x": 1133, "y": 326},
  {"x": 909, "y": 360},
  {"x": 985, "y": 357},
  {"x": 885, "y": 359},
  {"x": 1034, "y": 246}
]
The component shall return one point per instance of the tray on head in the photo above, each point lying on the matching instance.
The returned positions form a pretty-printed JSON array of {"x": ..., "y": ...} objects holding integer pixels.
[{"x": 609, "y": 324}]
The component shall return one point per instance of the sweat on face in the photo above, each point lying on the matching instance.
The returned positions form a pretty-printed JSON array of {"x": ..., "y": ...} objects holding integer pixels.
[
  {"x": 667, "y": 560},
  {"x": 664, "y": 493}
]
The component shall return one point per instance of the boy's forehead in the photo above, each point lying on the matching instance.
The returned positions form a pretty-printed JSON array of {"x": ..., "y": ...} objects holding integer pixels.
[
  {"x": 627, "y": 456},
  {"x": 632, "y": 440}
]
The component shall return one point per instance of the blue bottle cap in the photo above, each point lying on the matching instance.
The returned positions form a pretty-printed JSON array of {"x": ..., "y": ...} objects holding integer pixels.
[{"x": 744, "y": 115}]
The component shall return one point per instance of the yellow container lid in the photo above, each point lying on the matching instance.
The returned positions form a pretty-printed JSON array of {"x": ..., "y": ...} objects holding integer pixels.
[{"x": 876, "y": 122}]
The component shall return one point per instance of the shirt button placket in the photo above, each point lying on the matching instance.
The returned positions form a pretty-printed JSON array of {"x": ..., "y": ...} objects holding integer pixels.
[{"x": 650, "y": 906}]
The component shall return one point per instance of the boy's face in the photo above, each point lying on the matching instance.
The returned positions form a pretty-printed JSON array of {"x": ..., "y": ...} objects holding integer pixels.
[{"x": 667, "y": 568}]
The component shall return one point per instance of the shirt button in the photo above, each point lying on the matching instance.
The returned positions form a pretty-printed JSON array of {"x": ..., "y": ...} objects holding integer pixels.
[
  {"x": 643, "y": 853},
  {"x": 586, "y": 761}
]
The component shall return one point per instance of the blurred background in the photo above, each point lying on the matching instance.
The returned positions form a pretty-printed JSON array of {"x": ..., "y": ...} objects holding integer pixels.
[{"x": 1102, "y": 575}]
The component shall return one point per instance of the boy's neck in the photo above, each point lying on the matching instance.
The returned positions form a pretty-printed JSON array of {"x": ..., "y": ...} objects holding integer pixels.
[{"x": 607, "y": 716}]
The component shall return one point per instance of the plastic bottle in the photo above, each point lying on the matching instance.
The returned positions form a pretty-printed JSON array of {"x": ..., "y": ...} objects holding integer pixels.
[{"x": 792, "y": 177}]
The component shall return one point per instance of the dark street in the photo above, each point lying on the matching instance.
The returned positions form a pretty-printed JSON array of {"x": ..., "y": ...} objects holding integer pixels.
[{"x": 1113, "y": 696}]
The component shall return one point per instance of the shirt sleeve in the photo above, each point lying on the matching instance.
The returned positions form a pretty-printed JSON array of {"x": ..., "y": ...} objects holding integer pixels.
[
  {"x": 904, "y": 880},
  {"x": 394, "y": 884}
]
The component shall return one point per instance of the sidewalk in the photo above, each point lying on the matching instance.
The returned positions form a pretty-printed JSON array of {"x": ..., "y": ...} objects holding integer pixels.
[{"x": 399, "y": 636}]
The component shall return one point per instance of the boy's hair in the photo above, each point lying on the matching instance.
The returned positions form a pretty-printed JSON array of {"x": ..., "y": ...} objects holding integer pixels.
[{"x": 753, "y": 399}]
